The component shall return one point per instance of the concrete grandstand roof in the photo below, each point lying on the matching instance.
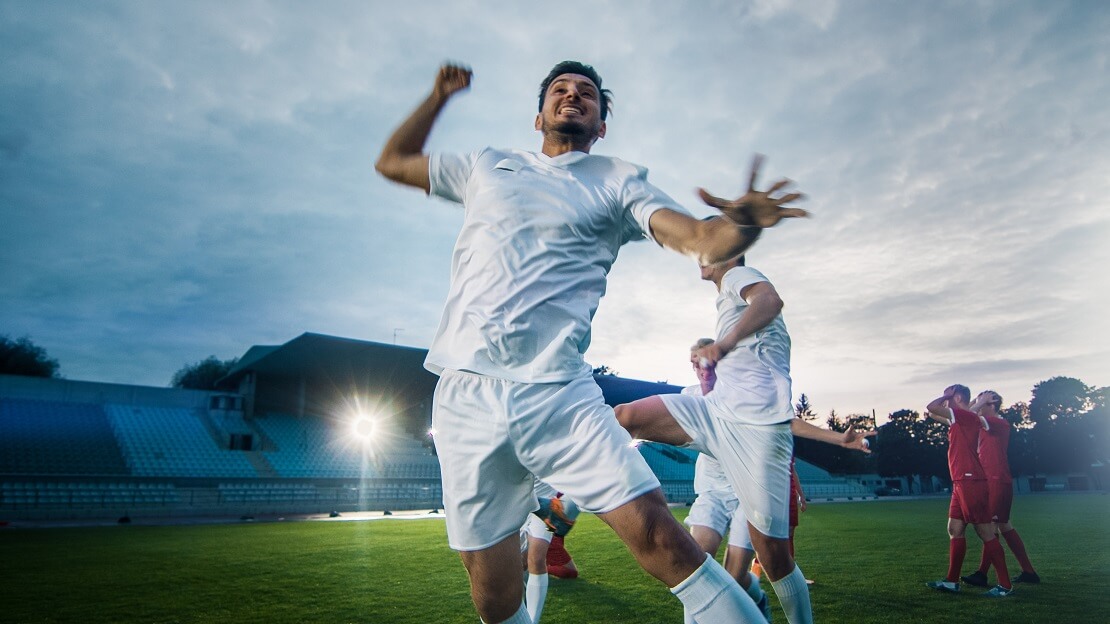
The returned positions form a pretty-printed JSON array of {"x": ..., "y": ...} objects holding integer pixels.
[
  {"x": 334, "y": 358},
  {"x": 331, "y": 357}
]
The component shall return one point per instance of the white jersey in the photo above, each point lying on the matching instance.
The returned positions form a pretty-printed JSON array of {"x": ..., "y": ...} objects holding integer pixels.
[
  {"x": 753, "y": 380},
  {"x": 709, "y": 478},
  {"x": 530, "y": 264}
]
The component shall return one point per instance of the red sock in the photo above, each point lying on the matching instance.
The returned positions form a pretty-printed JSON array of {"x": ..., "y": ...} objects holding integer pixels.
[
  {"x": 993, "y": 549},
  {"x": 1013, "y": 540},
  {"x": 984, "y": 562},
  {"x": 957, "y": 548}
]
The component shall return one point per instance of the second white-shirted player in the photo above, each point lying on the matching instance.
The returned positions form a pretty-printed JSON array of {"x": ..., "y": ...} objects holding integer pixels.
[{"x": 747, "y": 423}]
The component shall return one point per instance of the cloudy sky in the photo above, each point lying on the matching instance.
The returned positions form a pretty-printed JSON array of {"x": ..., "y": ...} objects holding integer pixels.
[{"x": 185, "y": 179}]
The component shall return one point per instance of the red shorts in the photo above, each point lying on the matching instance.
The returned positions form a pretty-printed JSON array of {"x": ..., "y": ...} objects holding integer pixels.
[
  {"x": 793, "y": 510},
  {"x": 1001, "y": 499},
  {"x": 970, "y": 502}
]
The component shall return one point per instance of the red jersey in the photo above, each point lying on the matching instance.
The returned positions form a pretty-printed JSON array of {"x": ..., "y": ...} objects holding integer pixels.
[
  {"x": 993, "y": 445},
  {"x": 963, "y": 446}
]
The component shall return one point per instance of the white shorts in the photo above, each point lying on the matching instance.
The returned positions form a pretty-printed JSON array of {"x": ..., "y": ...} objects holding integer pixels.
[
  {"x": 493, "y": 435},
  {"x": 755, "y": 458},
  {"x": 721, "y": 514},
  {"x": 534, "y": 527}
]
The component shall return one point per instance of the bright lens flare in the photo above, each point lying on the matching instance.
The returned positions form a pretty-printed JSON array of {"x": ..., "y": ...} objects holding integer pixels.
[{"x": 364, "y": 427}]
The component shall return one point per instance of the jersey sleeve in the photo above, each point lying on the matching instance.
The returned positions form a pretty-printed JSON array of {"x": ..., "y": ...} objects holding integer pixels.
[
  {"x": 640, "y": 200},
  {"x": 737, "y": 279},
  {"x": 694, "y": 390},
  {"x": 448, "y": 174},
  {"x": 965, "y": 418}
]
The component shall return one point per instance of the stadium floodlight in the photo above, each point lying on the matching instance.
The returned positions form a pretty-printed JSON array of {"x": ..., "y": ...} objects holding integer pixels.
[{"x": 364, "y": 427}]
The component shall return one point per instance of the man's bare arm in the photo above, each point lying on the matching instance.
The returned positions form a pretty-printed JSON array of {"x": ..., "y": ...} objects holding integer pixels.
[
  {"x": 731, "y": 234},
  {"x": 851, "y": 439},
  {"x": 403, "y": 159},
  {"x": 938, "y": 410}
]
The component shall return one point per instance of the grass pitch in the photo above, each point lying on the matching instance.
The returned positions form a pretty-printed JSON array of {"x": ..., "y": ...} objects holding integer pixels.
[{"x": 870, "y": 562}]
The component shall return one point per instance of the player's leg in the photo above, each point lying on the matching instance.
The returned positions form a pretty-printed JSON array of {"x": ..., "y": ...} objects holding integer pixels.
[
  {"x": 649, "y": 419},
  {"x": 559, "y": 562},
  {"x": 1002, "y": 497},
  {"x": 495, "y": 582},
  {"x": 976, "y": 495},
  {"x": 957, "y": 543},
  {"x": 709, "y": 541},
  {"x": 487, "y": 493},
  {"x": 579, "y": 448},
  {"x": 535, "y": 589},
  {"x": 739, "y": 555},
  {"x": 756, "y": 459},
  {"x": 666, "y": 551}
]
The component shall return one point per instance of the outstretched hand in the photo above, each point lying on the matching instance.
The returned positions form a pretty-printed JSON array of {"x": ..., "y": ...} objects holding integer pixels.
[
  {"x": 857, "y": 440},
  {"x": 451, "y": 79},
  {"x": 757, "y": 208}
]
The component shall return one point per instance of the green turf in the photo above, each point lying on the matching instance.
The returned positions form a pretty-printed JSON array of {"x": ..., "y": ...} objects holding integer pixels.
[{"x": 870, "y": 561}]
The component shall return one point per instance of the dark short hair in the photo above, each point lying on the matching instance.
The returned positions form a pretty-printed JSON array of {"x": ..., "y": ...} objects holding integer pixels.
[
  {"x": 582, "y": 69},
  {"x": 962, "y": 391},
  {"x": 997, "y": 403}
]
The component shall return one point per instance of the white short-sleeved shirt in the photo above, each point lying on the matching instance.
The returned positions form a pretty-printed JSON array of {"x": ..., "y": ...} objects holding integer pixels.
[
  {"x": 530, "y": 264},
  {"x": 753, "y": 380}
]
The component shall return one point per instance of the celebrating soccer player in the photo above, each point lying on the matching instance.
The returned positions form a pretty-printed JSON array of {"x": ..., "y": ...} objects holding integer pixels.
[
  {"x": 969, "y": 503},
  {"x": 747, "y": 423},
  {"x": 515, "y": 396},
  {"x": 994, "y": 442}
]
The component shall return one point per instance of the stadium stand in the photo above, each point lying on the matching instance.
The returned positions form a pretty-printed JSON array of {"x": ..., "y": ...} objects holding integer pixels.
[{"x": 268, "y": 441}]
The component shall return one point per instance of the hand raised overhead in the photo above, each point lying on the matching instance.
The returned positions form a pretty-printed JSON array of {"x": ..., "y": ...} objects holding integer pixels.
[
  {"x": 757, "y": 208},
  {"x": 451, "y": 79}
]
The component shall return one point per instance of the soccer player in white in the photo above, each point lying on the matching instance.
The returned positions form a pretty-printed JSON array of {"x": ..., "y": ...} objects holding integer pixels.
[
  {"x": 716, "y": 510},
  {"x": 515, "y": 396},
  {"x": 747, "y": 423}
]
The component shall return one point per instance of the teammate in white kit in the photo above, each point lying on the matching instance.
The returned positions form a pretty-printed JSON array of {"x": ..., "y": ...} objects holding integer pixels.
[
  {"x": 515, "y": 396},
  {"x": 747, "y": 423}
]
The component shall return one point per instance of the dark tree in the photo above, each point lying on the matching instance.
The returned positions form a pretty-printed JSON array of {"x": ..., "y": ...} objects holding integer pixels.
[
  {"x": 23, "y": 357},
  {"x": 1070, "y": 425},
  {"x": 804, "y": 410},
  {"x": 204, "y": 374},
  {"x": 907, "y": 445},
  {"x": 605, "y": 370},
  {"x": 1059, "y": 398}
]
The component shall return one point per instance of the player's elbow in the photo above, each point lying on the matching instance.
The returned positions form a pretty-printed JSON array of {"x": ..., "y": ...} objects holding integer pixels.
[{"x": 386, "y": 166}]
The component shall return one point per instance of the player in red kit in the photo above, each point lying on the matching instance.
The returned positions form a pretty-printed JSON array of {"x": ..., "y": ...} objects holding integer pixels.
[
  {"x": 994, "y": 441},
  {"x": 970, "y": 495}
]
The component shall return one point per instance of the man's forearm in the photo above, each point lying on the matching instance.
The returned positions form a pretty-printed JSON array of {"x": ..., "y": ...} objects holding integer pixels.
[
  {"x": 725, "y": 240},
  {"x": 802, "y": 429},
  {"x": 410, "y": 137},
  {"x": 761, "y": 311}
]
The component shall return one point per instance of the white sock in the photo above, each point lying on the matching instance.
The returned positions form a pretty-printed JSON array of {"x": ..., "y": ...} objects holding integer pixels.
[
  {"x": 520, "y": 617},
  {"x": 534, "y": 596},
  {"x": 711, "y": 596},
  {"x": 793, "y": 594},
  {"x": 753, "y": 589}
]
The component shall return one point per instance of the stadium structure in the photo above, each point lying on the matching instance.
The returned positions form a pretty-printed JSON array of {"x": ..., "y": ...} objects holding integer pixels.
[{"x": 320, "y": 424}]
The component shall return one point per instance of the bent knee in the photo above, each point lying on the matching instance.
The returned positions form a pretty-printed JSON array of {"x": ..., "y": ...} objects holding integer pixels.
[{"x": 626, "y": 417}]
